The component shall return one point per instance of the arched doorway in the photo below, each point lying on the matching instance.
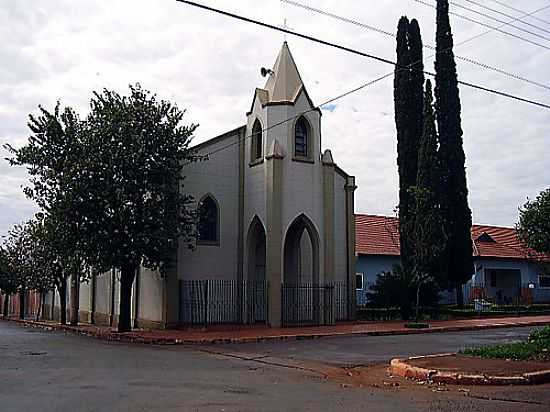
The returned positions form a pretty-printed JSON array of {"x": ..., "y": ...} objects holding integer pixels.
[
  {"x": 302, "y": 294},
  {"x": 256, "y": 287}
]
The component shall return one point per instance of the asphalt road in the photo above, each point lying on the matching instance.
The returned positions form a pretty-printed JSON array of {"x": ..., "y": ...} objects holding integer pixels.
[
  {"x": 51, "y": 371},
  {"x": 369, "y": 350}
]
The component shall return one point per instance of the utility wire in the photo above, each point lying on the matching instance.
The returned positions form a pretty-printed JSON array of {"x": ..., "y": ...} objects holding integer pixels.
[
  {"x": 389, "y": 34},
  {"x": 503, "y": 4},
  {"x": 488, "y": 16},
  {"x": 363, "y": 86},
  {"x": 493, "y": 28},
  {"x": 353, "y": 51},
  {"x": 318, "y": 107},
  {"x": 478, "y": 4}
]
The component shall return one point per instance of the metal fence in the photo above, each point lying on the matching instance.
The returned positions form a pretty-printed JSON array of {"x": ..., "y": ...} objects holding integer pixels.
[
  {"x": 521, "y": 294},
  {"x": 308, "y": 304},
  {"x": 214, "y": 301}
]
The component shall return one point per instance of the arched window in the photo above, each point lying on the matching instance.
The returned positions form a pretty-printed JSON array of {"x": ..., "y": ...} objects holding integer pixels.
[
  {"x": 301, "y": 138},
  {"x": 257, "y": 142},
  {"x": 208, "y": 220}
]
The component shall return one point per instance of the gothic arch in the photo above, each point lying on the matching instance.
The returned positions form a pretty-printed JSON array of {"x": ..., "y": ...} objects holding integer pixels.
[
  {"x": 256, "y": 243},
  {"x": 302, "y": 138},
  {"x": 208, "y": 226},
  {"x": 256, "y": 142},
  {"x": 256, "y": 271},
  {"x": 301, "y": 252}
]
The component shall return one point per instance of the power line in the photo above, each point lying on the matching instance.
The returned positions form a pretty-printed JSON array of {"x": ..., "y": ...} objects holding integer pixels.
[
  {"x": 506, "y": 15},
  {"x": 353, "y": 51},
  {"x": 519, "y": 11},
  {"x": 389, "y": 34},
  {"x": 493, "y": 28},
  {"x": 488, "y": 16},
  {"x": 331, "y": 100},
  {"x": 365, "y": 85}
]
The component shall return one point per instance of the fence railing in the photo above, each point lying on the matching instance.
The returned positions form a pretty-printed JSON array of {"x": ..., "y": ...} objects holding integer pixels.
[
  {"x": 308, "y": 304},
  {"x": 214, "y": 301},
  {"x": 520, "y": 294}
]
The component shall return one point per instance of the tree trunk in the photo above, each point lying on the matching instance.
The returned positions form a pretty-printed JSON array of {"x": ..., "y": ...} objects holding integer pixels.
[
  {"x": 37, "y": 317},
  {"x": 417, "y": 301},
  {"x": 6, "y": 305},
  {"x": 63, "y": 301},
  {"x": 459, "y": 295},
  {"x": 127, "y": 276},
  {"x": 22, "y": 303},
  {"x": 75, "y": 299}
]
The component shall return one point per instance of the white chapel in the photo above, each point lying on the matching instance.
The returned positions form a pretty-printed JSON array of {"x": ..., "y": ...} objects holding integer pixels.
[{"x": 276, "y": 231}]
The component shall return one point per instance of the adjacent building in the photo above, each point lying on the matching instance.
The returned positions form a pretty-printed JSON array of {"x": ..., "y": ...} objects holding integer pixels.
[{"x": 505, "y": 271}]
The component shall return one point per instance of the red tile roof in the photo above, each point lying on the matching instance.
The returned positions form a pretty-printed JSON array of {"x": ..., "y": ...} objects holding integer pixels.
[{"x": 379, "y": 235}]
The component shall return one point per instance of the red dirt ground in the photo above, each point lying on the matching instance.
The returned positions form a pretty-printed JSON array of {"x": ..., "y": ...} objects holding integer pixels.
[{"x": 469, "y": 365}]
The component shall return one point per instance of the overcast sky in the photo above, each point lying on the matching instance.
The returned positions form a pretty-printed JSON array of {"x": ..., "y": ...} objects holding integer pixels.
[{"x": 209, "y": 64}]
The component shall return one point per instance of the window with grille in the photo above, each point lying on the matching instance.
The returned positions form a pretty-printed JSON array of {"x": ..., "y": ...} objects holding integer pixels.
[
  {"x": 208, "y": 220},
  {"x": 301, "y": 137}
]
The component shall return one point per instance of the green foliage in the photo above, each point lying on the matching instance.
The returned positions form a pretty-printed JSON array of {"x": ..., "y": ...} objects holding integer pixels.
[
  {"x": 540, "y": 335},
  {"x": 417, "y": 325},
  {"x": 537, "y": 347},
  {"x": 454, "y": 197},
  {"x": 398, "y": 288},
  {"x": 110, "y": 187},
  {"x": 534, "y": 223},
  {"x": 408, "y": 96},
  {"x": 137, "y": 150},
  {"x": 428, "y": 230},
  {"x": 8, "y": 277}
]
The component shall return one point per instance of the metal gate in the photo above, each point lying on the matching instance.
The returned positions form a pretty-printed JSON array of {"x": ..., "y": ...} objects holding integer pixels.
[
  {"x": 215, "y": 301},
  {"x": 308, "y": 304}
]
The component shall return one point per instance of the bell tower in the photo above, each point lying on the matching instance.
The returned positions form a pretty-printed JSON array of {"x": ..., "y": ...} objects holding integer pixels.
[{"x": 289, "y": 188}]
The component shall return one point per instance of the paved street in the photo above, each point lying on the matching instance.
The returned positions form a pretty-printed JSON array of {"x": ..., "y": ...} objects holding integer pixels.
[
  {"x": 51, "y": 371},
  {"x": 368, "y": 350}
]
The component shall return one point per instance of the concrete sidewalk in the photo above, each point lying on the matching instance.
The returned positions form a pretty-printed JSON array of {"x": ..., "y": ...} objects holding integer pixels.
[{"x": 236, "y": 334}]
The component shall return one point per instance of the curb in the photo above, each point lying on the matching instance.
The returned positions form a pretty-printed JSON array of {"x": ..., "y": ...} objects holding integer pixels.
[
  {"x": 400, "y": 367},
  {"x": 134, "y": 337}
]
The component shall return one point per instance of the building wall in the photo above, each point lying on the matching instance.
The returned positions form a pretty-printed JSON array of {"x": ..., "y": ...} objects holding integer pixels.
[
  {"x": 150, "y": 296},
  {"x": 103, "y": 298},
  {"x": 340, "y": 231},
  {"x": 372, "y": 265},
  {"x": 302, "y": 182},
  {"x": 218, "y": 176}
]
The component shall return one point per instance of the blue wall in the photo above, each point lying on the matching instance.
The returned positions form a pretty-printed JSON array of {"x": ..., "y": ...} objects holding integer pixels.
[{"x": 372, "y": 265}]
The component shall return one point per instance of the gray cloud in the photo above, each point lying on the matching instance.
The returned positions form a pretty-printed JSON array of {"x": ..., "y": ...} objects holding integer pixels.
[{"x": 62, "y": 49}]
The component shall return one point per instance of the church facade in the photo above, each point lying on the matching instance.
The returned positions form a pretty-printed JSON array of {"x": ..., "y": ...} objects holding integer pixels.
[{"x": 276, "y": 230}]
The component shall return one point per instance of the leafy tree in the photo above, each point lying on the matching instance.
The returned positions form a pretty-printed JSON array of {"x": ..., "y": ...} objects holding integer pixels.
[
  {"x": 8, "y": 280},
  {"x": 408, "y": 97},
  {"x": 457, "y": 214},
  {"x": 19, "y": 261},
  {"x": 53, "y": 265},
  {"x": 136, "y": 149},
  {"x": 429, "y": 234},
  {"x": 402, "y": 288},
  {"x": 52, "y": 156},
  {"x": 534, "y": 223}
]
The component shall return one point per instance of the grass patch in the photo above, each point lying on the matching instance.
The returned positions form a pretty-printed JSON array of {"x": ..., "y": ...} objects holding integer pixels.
[
  {"x": 417, "y": 325},
  {"x": 537, "y": 347}
]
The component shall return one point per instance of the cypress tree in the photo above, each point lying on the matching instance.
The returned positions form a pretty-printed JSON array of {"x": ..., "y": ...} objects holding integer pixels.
[
  {"x": 408, "y": 91},
  {"x": 429, "y": 232},
  {"x": 457, "y": 214}
]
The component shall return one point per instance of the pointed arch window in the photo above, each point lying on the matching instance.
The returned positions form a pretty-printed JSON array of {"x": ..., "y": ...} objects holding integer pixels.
[
  {"x": 301, "y": 138},
  {"x": 257, "y": 142},
  {"x": 208, "y": 226}
]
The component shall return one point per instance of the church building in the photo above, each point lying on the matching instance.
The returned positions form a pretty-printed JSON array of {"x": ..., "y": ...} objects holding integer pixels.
[{"x": 276, "y": 229}]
